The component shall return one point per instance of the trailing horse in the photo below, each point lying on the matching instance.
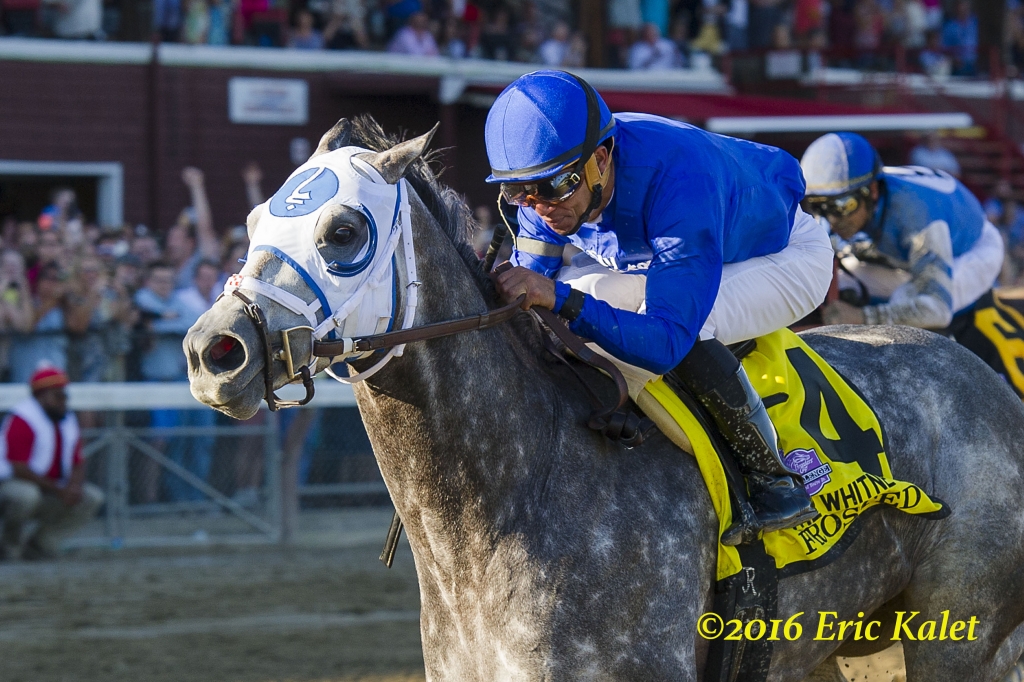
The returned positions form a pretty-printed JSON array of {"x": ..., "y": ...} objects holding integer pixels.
[{"x": 545, "y": 551}]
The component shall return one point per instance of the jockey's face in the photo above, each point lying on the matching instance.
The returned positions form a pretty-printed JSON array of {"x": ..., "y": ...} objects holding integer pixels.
[
  {"x": 847, "y": 226},
  {"x": 565, "y": 217}
]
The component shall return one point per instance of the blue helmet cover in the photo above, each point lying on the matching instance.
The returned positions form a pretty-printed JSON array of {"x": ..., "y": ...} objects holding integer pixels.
[
  {"x": 537, "y": 126},
  {"x": 839, "y": 163}
]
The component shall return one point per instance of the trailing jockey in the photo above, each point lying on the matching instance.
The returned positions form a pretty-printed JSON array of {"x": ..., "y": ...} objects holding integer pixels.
[
  {"x": 925, "y": 251},
  {"x": 689, "y": 241}
]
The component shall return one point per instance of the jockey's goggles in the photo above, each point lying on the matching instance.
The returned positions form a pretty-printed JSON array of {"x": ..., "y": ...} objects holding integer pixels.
[
  {"x": 553, "y": 190},
  {"x": 837, "y": 207}
]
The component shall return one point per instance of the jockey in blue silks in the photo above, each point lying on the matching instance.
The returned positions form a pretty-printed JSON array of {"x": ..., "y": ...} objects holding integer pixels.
[
  {"x": 940, "y": 253},
  {"x": 687, "y": 241}
]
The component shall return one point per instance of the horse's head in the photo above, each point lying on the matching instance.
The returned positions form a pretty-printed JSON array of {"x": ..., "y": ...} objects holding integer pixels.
[{"x": 321, "y": 265}]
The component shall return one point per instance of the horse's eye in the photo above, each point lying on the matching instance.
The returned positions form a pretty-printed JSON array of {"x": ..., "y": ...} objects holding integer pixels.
[{"x": 343, "y": 235}]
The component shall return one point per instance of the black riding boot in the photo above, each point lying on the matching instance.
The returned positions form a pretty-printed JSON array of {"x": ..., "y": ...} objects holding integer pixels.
[{"x": 715, "y": 377}]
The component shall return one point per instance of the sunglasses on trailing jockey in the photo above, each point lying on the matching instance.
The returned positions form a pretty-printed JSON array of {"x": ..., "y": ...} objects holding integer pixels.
[
  {"x": 553, "y": 190},
  {"x": 837, "y": 207}
]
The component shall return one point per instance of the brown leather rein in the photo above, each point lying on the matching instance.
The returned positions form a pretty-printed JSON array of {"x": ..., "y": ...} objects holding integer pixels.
[{"x": 599, "y": 417}]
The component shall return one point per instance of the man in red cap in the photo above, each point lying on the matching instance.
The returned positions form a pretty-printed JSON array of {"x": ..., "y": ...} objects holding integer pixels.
[{"x": 42, "y": 474}]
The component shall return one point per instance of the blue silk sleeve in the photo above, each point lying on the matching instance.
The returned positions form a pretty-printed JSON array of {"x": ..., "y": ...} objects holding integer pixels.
[
  {"x": 685, "y": 228},
  {"x": 545, "y": 265}
]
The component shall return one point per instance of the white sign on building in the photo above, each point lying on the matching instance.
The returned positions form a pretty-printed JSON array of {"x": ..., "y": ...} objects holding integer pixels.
[{"x": 268, "y": 101}]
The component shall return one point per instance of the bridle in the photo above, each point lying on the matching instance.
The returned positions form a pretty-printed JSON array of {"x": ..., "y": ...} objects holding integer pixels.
[
  {"x": 393, "y": 341},
  {"x": 364, "y": 344},
  {"x": 274, "y": 403},
  {"x": 598, "y": 420}
]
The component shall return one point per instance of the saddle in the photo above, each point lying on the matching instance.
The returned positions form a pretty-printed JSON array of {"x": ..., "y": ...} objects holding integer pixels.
[{"x": 830, "y": 435}]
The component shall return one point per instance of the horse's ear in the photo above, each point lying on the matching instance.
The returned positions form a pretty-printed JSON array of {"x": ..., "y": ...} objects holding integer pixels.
[
  {"x": 394, "y": 163},
  {"x": 337, "y": 137}
]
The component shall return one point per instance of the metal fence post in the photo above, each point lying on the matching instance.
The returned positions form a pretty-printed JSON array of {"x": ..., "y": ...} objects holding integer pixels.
[
  {"x": 272, "y": 474},
  {"x": 117, "y": 481},
  {"x": 291, "y": 453}
]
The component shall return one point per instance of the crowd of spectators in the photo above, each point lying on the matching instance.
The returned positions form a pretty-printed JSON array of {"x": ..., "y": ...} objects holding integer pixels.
[
  {"x": 109, "y": 303},
  {"x": 1004, "y": 211},
  {"x": 940, "y": 35},
  {"x": 113, "y": 304}
]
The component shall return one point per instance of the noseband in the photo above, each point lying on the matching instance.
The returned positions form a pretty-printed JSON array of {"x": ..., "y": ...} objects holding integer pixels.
[
  {"x": 259, "y": 320},
  {"x": 366, "y": 344}
]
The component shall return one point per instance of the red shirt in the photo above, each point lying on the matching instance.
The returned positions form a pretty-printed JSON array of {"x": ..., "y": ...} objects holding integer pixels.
[{"x": 19, "y": 447}]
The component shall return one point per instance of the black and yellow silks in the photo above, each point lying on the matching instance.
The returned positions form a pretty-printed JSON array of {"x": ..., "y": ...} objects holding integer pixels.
[
  {"x": 828, "y": 433},
  {"x": 995, "y": 333}
]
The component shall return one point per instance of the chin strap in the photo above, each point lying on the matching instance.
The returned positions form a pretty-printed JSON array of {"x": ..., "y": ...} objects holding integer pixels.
[{"x": 596, "y": 182}]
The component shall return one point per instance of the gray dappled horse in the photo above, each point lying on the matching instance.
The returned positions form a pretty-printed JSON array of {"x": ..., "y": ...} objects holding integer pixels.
[{"x": 545, "y": 551}]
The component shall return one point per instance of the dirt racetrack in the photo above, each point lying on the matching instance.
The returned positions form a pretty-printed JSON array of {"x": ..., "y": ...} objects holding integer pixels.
[
  {"x": 326, "y": 610},
  {"x": 247, "y": 614}
]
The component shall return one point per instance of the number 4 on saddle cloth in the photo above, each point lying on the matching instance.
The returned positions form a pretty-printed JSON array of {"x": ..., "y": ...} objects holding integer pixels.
[{"x": 828, "y": 434}]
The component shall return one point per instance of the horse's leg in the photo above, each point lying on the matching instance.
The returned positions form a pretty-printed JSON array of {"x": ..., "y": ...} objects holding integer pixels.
[
  {"x": 969, "y": 581},
  {"x": 1010, "y": 653},
  {"x": 827, "y": 671}
]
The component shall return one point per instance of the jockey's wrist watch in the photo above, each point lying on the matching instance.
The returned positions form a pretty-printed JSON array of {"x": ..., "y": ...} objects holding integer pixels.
[{"x": 573, "y": 305}]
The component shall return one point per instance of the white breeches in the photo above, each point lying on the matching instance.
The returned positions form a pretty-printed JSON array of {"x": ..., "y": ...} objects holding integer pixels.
[
  {"x": 974, "y": 272},
  {"x": 756, "y": 297}
]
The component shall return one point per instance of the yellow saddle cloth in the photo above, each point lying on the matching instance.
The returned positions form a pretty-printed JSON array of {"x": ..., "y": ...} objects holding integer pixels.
[{"x": 828, "y": 433}]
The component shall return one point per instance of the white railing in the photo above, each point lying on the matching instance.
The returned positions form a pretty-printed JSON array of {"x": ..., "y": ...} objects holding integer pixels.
[
  {"x": 468, "y": 72},
  {"x": 275, "y": 518}
]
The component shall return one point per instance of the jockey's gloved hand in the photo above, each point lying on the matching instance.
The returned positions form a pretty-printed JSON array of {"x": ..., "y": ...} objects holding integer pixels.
[{"x": 866, "y": 251}]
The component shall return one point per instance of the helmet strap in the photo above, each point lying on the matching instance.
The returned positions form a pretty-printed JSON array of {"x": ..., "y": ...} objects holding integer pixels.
[
  {"x": 593, "y": 130},
  {"x": 592, "y": 173},
  {"x": 595, "y": 203}
]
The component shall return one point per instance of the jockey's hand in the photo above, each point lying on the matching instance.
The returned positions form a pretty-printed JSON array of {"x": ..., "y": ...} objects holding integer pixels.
[
  {"x": 840, "y": 312},
  {"x": 517, "y": 281}
]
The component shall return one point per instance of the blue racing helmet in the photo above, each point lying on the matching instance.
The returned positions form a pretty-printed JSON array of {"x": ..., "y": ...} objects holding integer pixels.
[
  {"x": 839, "y": 163},
  {"x": 540, "y": 123}
]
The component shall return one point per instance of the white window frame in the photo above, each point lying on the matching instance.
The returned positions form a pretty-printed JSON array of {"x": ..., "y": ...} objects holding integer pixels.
[{"x": 109, "y": 182}]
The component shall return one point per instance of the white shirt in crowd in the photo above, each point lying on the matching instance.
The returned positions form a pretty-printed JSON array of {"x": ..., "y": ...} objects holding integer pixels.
[
  {"x": 410, "y": 41},
  {"x": 939, "y": 158},
  {"x": 738, "y": 13},
  {"x": 661, "y": 55},
  {"x": 83, "y": 18},
  {"x": 195, "y": 300},
  {"x": 552, "y": 52}
]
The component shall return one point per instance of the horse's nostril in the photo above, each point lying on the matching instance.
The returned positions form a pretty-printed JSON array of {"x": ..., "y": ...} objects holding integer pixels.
[{"x": 226, "y": 353}]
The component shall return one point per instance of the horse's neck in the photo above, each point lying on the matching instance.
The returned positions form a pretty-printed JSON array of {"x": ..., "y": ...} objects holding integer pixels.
[{"x": 457, "y": 424}]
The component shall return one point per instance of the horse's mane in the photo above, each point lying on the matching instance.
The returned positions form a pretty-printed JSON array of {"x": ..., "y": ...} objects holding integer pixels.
[
  {"x": 453, "y": 215},
  {"x": 445, "y": 204},
  {"x": 450, "y": 211}
]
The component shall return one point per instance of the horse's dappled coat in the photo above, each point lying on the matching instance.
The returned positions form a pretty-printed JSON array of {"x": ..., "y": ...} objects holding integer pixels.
[{"x": 544, "y": 552}]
